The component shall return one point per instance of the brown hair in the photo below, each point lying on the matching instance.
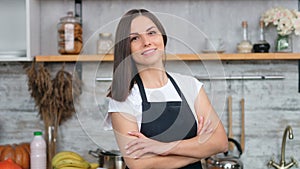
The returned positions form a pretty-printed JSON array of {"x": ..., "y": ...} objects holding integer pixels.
[{"x": 124, "y": 68}]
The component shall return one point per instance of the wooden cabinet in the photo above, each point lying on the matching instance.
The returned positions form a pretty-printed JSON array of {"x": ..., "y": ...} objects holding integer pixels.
[{"x": 20, "y": 30}]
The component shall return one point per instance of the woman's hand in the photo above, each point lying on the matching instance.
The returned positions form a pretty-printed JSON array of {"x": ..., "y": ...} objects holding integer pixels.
[
  {"x": 144, "y": 145},
  {"x": 204, "y": 128}
]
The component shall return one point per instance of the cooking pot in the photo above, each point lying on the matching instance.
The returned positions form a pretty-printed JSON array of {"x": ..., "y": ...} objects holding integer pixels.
[
  {"x": 109, "y": 159},
  {"x": 224, "y": 160}
]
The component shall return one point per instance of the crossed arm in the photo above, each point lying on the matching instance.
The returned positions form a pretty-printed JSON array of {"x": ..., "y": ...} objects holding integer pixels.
[{"x": 142, "y": 152}]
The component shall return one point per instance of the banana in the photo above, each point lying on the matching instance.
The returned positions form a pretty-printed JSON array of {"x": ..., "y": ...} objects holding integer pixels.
[
  {"x": 71, "y": 168},
  {"x": 94, "y": 165},
  {"x": 72, "y": 163},
  {"x": 66, "y": 155}
]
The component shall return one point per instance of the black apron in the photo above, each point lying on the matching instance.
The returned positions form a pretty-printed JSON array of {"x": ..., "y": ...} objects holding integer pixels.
[{"x": 168, "y": 121}]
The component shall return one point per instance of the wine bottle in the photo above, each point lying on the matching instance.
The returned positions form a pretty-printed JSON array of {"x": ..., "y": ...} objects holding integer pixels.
[{"x": 262, "y": 46}]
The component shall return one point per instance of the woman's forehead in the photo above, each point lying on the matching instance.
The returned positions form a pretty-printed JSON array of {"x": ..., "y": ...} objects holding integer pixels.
[{"x": 141, "y": 24}]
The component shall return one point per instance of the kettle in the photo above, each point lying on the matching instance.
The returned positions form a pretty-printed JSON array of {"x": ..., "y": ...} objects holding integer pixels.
[{"x": 224, "y": 160}]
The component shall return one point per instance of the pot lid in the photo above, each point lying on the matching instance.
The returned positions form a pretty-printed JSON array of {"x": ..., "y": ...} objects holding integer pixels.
[
  {"x": 111, "y": 152},
  {"x": 229, "y": 164}
]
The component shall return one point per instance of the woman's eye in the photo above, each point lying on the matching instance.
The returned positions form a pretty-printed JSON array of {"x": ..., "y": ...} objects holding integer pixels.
[
  {"x": 152, "y": 33},
  {"x": 133, "y": 38}
]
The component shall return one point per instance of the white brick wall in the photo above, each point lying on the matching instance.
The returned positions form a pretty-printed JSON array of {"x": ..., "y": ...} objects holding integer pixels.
[{"x": 270, "y": 105}]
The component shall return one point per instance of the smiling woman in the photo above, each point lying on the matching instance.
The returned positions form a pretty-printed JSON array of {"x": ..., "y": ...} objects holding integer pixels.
[
  {"x": 147, "y": 45},
  {"x": 159, "y": 121}
]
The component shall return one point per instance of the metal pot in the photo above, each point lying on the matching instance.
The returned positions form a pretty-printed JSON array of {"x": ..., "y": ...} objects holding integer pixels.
[
  {"x": 224, "y": 160},
  {"x": 109, "y": 159}
]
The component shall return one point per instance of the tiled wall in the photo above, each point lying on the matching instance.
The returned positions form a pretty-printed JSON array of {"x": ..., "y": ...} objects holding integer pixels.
[{"x": 270, "y": 105}]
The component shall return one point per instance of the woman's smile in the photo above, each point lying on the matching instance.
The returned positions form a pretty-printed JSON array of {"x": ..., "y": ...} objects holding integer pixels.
[{"x": 149, "y": 52}]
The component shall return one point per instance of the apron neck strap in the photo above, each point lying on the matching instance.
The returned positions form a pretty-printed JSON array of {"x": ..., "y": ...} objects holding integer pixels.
[{"x": 142, "y": 89}]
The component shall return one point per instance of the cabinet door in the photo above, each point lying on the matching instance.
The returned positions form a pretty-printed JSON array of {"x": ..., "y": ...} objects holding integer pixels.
[{"x": 19, "y": 19}]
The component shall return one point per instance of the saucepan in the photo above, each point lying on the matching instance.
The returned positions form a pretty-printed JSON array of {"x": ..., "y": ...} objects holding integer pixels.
[
  {"x": 226, "y": 160},
  {"x": 109, "y": 159}
]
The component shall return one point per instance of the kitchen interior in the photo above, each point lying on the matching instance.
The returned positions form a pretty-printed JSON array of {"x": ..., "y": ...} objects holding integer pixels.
[{"x": 256, "y": 95}]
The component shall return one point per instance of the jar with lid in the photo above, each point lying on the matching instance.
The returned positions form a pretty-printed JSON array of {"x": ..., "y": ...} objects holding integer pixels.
[
  {"x": 262, "y": 46},
  {"x": 105, "y": 44},
  {"x": 69, "y": 34},
  {"x": 245, "y": 46}
]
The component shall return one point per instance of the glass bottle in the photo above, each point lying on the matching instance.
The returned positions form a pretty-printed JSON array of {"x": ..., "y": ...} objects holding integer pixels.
[
  {"x": 69, "y": 34},
  {"x": 105, "y": 44},
  {"x": 262, "y": 46},
  {"x": 284, "y": 43},
  {"x": 245, "y": 46},
  {"x": 38, "y": 152}
]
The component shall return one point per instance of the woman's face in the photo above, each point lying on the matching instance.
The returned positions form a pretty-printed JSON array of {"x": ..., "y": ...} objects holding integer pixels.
[{"x": 146, "y": 41}]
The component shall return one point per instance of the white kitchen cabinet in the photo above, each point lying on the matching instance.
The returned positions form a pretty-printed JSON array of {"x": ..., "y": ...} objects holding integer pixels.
[{"x": 20, "y": 30}]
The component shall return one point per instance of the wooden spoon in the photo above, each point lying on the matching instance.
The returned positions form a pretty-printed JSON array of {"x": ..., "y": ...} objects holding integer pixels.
[
  {"x": 230, "y": 132},
  {"x": 243, "y": 124}
]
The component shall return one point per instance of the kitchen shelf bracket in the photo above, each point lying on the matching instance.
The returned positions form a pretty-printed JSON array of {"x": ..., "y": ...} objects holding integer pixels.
[{"x": 78, "y": 13}]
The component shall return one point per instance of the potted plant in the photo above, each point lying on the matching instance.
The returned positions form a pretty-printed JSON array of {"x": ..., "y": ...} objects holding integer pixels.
[{"x": 287, "y": 22}]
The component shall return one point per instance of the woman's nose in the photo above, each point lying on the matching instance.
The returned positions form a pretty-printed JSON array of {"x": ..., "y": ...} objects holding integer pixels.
[{"x": 146, "y": 40}]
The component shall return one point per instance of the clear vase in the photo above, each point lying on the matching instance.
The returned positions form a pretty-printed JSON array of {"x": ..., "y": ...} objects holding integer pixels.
[{"x": 284, "y": 43}]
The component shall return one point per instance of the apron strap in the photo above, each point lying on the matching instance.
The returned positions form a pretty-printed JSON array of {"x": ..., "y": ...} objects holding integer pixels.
[
  {"x": 175, "y": 85},
  {"x": 142, "y": 89}
]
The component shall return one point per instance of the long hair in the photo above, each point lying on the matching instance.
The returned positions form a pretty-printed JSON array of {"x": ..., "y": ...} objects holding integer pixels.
[{"x": 124, "y": 68}]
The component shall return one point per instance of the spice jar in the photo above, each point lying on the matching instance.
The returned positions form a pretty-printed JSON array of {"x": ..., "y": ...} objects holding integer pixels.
[
  {"x": 69, "y": 34},
  {"x": 105, "y": 43},
  {"x": 245, "y": 46}
]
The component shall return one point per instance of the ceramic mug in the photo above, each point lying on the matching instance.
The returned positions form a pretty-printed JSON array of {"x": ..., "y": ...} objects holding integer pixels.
[{"x": 214, "y": 44}]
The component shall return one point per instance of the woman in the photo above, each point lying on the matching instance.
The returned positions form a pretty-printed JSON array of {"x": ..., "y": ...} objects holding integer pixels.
[{"x": 161, "y": 120}]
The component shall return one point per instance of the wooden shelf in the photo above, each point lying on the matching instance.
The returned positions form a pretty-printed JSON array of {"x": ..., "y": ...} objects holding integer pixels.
[{"x": 184, "y": 57}]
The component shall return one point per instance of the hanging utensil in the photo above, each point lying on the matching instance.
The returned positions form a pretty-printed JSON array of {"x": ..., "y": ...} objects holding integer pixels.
[
  {"x": 230, "y": 132},
  {"x": 243, "y": 124},
  {"x": 243, "y": 118}
]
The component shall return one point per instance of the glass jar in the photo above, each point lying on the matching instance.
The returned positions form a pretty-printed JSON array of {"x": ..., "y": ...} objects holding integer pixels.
[
  {"x": 283, "y": 43},
  {"x": 245, "y": 46},
  {"x": 105, "y": 44},
  {"x": 69, "y": 34}
]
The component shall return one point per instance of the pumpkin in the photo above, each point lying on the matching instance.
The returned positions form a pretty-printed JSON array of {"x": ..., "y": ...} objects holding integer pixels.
[
  {"x": 2, "y": 147},
  {"x": 9, "y": 164},
  {"x": 19, "y": 153}
]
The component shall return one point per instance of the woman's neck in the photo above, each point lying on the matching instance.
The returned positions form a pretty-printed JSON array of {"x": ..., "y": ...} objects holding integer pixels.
[{"x": 153, "y": 78}]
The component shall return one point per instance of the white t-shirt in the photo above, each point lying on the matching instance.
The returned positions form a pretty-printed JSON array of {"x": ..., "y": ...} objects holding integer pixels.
[{"x": 188, "y": 85}]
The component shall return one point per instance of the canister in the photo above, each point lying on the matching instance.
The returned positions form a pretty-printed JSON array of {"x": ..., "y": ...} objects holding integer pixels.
[{"x": 69, "y": 34}]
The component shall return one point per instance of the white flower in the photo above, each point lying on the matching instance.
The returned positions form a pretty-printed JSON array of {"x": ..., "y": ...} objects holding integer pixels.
[
  {"x": 287, "y": 21},
  {"x": 296, "y": 22}
]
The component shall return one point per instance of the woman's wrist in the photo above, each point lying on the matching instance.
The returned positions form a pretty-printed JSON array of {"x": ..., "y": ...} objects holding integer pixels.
[{"x": 171, "y": 148}]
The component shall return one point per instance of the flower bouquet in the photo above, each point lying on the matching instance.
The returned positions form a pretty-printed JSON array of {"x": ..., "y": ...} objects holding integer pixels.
[{"x": 287, "y": 21}]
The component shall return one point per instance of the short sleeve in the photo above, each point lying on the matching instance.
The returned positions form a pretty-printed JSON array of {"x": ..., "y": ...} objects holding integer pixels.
[
  {"x": 198, "y": 84},
  {"x": 132, "y": 106}
]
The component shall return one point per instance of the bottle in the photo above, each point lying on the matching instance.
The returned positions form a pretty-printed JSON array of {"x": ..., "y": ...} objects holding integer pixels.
[
  {"x": 69, "y": 34},
  {"x": 245, "y": 45},
  {"x": 105, "y": 43},
  {"x": 262, "y": 46},
  {"x": 38, "y": 156}
]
